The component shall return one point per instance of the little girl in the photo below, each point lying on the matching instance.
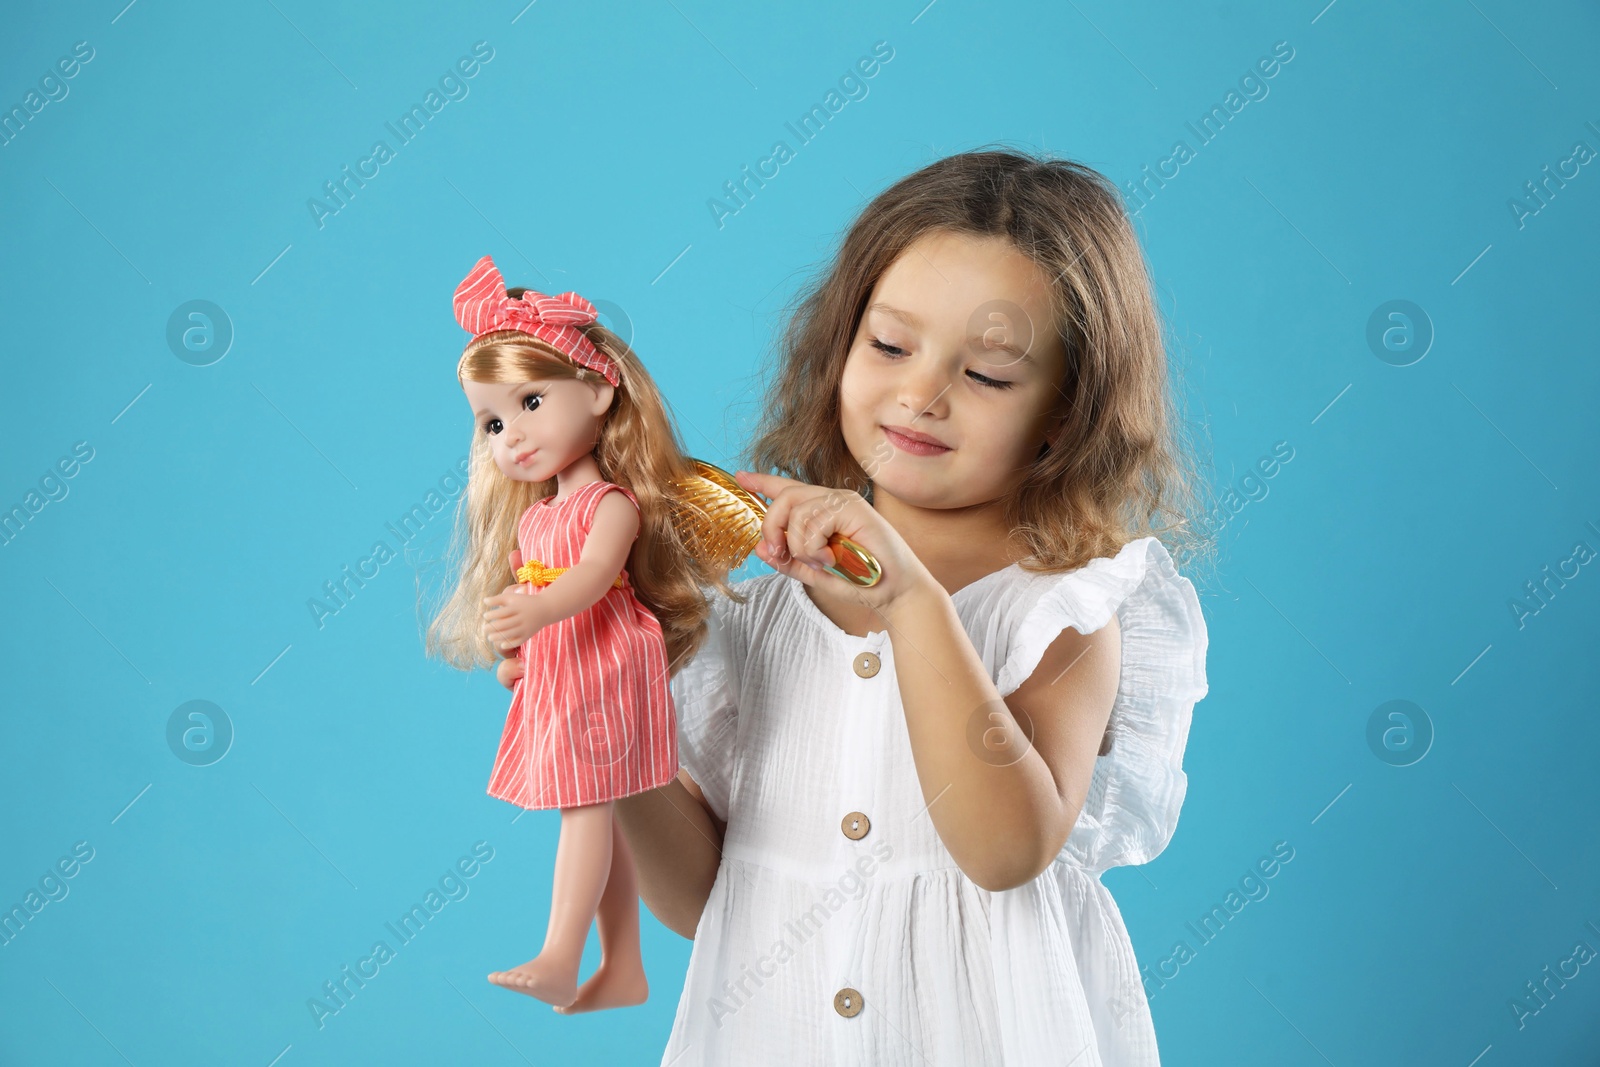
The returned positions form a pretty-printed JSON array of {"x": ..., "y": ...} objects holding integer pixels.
[
  {"x": 563, "y": 415},
  {"x": 896, "y": 802}
]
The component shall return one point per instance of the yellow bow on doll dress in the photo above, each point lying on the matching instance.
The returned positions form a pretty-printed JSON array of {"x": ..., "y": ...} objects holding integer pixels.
[{"x": 537, "y": 573}]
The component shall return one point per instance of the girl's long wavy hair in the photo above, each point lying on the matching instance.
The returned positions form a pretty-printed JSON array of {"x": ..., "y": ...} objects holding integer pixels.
[
  {"x": 639, "y": 449},
  {"x": 1120, "y": 468}
]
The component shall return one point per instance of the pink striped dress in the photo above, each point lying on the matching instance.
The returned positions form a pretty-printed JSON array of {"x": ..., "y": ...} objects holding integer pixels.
[{"x": 592, "y": 717}]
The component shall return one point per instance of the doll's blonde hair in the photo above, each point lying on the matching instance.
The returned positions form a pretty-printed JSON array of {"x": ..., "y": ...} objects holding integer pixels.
[
  {"x": 1119, "y": 470},
  {"x": 639, "y": 449}
]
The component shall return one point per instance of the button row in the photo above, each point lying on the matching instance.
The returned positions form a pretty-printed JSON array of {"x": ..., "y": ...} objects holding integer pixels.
[{"x": 847, "y": 1002}]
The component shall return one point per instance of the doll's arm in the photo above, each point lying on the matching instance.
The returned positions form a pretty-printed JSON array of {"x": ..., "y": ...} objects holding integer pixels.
[{"x": 605, "y": 553}]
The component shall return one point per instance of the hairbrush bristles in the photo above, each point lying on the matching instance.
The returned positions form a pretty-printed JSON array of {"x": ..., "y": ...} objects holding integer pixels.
[{"x": 719, "y": 520}]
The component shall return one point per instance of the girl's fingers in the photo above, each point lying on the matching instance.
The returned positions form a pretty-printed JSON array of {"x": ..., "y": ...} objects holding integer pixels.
[
  {"x": 797, "y": 526},
  {"x": 799, "y": 543},
  {"x": 772, "y": 487},
  {"x": 768, "y": 485},
  {"x": 775, "y": 524},
  {"x": 787, "y": 565},
  {"x": 811, "y": 525},
  {"x": 780, "y": 517}
]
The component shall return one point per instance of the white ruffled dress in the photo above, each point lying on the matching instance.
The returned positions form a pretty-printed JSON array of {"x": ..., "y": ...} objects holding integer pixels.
[{"x": 839, "y": 931}]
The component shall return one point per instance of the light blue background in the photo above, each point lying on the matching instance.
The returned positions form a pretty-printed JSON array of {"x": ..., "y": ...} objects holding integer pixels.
[{"x": 1379, "y": 564}]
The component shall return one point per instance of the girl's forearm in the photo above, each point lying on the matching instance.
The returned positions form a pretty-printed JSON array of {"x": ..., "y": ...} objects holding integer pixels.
[
  {"x": 676, "y": 852},
  {"x": 992, "y": 798}
]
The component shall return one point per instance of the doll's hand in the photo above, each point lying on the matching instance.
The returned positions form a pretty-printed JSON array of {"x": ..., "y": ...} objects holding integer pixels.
[
  {"x": 512, "y": 616},
  {"x": 509, "y": 670},
  {"x": 801, "y": 519}
]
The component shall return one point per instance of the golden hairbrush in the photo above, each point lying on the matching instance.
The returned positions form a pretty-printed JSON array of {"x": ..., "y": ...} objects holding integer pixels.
[{"x": 721, "y": 523}]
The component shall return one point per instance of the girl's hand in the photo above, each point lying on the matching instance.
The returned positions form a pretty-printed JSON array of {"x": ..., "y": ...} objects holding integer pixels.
[
  {"x": 801, "y": 519},
  {"x": 509, "y": 670},
  {"x": 512, "y": 616}
]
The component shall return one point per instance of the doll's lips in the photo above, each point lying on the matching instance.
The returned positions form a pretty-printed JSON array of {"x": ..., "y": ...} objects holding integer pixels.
[{"x": 522, "y": 459}]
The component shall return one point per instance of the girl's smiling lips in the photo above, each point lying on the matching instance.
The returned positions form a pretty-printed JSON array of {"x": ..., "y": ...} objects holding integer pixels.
[{"x": 909, "y": 440}]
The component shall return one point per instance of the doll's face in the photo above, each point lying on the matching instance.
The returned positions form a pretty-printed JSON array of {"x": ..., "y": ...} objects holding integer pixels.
[
  {"x": 537, "y": 429},
  {"x": 926, "y": 357}
]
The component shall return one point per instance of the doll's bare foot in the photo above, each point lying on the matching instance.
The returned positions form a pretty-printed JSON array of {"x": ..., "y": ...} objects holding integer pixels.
[
  {"x": 610, "y": 986},
  {"x": 554, "y": 981}
]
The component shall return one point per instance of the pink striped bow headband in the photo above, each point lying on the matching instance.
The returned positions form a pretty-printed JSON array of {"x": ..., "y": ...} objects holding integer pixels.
[{"x": 482, "y": 306}]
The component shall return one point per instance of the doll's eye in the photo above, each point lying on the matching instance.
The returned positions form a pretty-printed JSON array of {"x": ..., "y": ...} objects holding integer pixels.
[{"x": 531, "y": 402}]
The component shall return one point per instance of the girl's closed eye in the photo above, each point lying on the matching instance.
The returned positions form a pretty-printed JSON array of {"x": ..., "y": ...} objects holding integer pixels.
[
  {"x": 894, "y": 352},
  {"x": 531, "y": 402}
]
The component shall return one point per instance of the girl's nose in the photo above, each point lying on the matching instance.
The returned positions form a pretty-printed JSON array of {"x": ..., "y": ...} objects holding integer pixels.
[{"x": 924, "y": 390}]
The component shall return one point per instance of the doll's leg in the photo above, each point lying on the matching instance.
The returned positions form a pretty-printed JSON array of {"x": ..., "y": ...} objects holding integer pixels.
[
  {"x": 619, "y": 980},
  {"x": 583, "y": 860}
]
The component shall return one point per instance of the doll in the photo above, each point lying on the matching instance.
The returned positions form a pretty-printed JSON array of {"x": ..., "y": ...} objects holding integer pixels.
[{"x": 606, "y": 595}]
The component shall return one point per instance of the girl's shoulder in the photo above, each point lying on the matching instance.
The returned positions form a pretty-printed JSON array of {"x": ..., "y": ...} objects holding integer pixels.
[
  {"x": 758, "y": 597},
  {"x": 762, "y": 607},
  {"x": 1142, "y": 569},
  {"x": 1014, "y": 614}
]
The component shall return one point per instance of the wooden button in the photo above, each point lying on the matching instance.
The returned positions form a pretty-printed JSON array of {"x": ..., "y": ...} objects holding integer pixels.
[
  {"x": 867, "y": 664},
  {"x": 855, "y": 826},
  {"x": 847, "y": 1002}
]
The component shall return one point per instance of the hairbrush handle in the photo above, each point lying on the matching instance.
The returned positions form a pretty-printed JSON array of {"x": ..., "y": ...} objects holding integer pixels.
[{"x": 852, "y": 562}]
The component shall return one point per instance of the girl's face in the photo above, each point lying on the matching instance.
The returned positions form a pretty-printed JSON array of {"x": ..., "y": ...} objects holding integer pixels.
[
  {"x": 537, "y": 429},
  {"x": 958, "y": 343}
]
